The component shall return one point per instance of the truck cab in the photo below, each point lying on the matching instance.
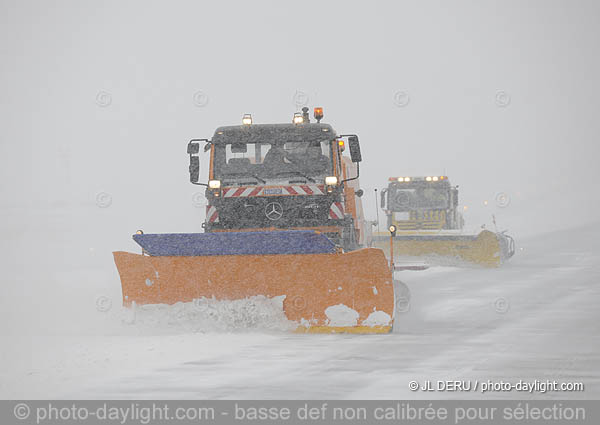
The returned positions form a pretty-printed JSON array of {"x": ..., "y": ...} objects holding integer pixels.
[
  {"x": 421, "y": 203},
  {"x": 282, "y": 177}
]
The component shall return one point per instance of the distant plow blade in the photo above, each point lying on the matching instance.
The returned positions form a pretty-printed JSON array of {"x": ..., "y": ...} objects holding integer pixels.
[
  {"x": 487, "y": 249},
  {"x": 317, "y": 281}
]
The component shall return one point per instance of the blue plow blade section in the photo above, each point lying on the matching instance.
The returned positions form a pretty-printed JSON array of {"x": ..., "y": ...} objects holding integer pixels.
[{"x": 235, "y": 243}]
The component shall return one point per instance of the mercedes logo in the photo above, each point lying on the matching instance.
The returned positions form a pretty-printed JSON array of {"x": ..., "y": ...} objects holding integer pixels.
[{"x": 274, "y": 211}]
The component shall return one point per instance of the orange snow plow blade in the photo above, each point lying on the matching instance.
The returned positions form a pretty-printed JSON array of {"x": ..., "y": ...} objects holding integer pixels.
[{"x": 317, "y": 287}]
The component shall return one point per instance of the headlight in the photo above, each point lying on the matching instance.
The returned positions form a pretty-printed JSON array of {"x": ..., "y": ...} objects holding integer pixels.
[
  {"x": 214, "y": 184},
  {"x": 298, "y": 118},
  {"x": 435, "y": 178},
  {"x": 247, "y": 119},
  {"x": 400, "y": 179},
  {"x": 331, "y": 180},
  {"x": 428, "y": 178},
  {"x": 392, "y": 229},
  {"x": 406, "y": 179}
]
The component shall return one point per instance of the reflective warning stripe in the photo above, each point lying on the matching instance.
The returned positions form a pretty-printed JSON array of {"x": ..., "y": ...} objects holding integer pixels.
[
  {"x": 256, "y": 191},
  {"x": 212, "y": 215},
  {"x": 243, "y": 192},
  {"x": 314, "y": 189},
  {"x": 237, "y": 192},
  {"x": 336, "y": 211},
  {"x": 309, "y": 190}
]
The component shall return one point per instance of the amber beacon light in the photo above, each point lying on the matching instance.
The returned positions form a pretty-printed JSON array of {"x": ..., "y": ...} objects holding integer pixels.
[{"x": 319, "y": 113}]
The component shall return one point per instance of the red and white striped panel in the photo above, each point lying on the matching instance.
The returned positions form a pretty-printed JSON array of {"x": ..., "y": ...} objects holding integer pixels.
[
  {"x": 242, "y": 192},
  {"x": 336, "y": 211},
  {"x": 305, "y": 189},
  {"x": 212, "y": 215}
]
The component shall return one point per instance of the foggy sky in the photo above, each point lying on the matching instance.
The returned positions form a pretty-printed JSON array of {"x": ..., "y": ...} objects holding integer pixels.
[{"x": 103, "y": 97}]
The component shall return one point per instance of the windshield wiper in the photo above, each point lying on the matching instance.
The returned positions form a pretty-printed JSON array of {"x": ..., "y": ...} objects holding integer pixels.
[
  {"x": 250, "y": 174},
  {"x": 258, "y": 178},
  {"x": 298, "y": 172}
]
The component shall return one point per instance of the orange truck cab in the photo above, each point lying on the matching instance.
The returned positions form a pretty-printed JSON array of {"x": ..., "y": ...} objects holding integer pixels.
[{"x": 282, "y": 177}]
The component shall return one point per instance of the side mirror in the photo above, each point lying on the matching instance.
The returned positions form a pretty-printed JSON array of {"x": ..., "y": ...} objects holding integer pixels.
[
  {"x": 193, "y": 148},
  {"x": 354, "y": 146},
  {"x": 359, "y": 193},
  {"x": 383, "y": 192},
  {"x": 455, "y": 198},
  {"x": 194, "y": 169}
]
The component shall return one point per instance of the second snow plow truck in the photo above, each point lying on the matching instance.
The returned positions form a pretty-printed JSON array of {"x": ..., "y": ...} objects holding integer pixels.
[
  {"x": 423, "y": 214},
  {"x": 284, "y": 218}
]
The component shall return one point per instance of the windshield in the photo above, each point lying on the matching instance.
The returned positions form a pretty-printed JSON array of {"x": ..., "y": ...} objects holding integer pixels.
[
  {"x": 305, "y": 161},
  {"x": 407, "y": 199}
]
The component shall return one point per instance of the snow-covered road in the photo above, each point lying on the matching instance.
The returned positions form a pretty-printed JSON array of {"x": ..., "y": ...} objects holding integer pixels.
[{"x": 538, "y": 317}]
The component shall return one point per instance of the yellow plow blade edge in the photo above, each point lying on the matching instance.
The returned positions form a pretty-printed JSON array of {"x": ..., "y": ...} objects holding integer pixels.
[
  {"x": 487, "y": 249},
  {"x": 359, "y": 282}
]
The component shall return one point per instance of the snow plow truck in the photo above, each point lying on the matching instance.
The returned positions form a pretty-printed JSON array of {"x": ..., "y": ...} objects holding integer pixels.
[
  {"x": 283, "y": 218},
  {"x": 423, "y": 216}
]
